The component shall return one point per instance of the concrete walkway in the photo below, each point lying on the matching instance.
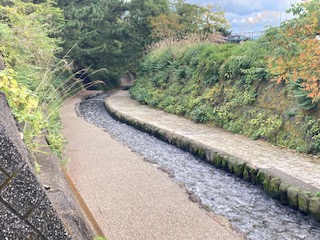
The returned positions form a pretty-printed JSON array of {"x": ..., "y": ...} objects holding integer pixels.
[
  {"x": 300, "y": 170},
  {"x": 130, "y": 198}
]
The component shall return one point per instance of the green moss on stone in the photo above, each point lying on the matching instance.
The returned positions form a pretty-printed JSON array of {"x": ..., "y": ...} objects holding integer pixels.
[
  {"x": 183, "y": 144},
  {"x": 217, "y": 161},
  {"x": 260, "y": 178},
  {"x": 283, "y": 193},
  {"x": 273, "y": 188},
  {"x": 266, "y": 183},
  {"x": 246, "y": 174},
  {"x": 192, "y": 148},
  {"x": 238, "y": 169},
  {"x": 263, "y": 180},
  {"x": 231, "y": 165},
  {"x": 314, "y": 208},
  {"x": 200, "y": 152},
  {"x": 303, "y": 202},
  {"x": 253, "y": 171},
  {"x": 224, "y": 163},
  {"x": 292, "y": 193}
]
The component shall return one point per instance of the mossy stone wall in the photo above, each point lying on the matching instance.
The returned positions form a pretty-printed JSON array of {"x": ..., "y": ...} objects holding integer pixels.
[{"x": 287, "y": 192}]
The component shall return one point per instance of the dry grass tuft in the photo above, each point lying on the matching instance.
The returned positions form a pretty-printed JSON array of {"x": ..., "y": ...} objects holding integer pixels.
[{"x": 194, "y": 38}]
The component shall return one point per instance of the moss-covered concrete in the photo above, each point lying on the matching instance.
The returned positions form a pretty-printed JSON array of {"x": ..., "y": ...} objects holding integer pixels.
[
  {"x": 292, "y": 193},
  {"x": 314, "y": 207},
  {"x": 283, "y": 193},
  {"x": 275, "y": 185},
  {"x": 303, "y": 201}
]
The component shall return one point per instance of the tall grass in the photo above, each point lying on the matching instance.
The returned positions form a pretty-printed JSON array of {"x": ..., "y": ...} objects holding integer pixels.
[
  {"x": 35, "y": 81},
  {"x": 53, "y": 91},
  {"x": 37, "y": 109},
  {"x": 213, "y": 38}
]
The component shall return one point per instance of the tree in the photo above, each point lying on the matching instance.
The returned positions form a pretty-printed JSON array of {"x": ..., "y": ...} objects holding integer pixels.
[
  {"x": 140, "y": 14},
  {"x": 186, "y": 18},
  {"x": 93, "y": 36},
  {"x": 28, "y": 33},
  {"x": 108, "y": 34},
  {"x": 139, "y": 24},
  {"x": 296, "y": 49},
  {"x": 166, "y": 26},
  {"x": 114, "y": 34}
]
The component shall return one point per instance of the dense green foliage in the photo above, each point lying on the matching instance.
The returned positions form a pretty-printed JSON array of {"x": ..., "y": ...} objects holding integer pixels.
[
  {"x": 94, "y": 37},
  {"x": 31, "y": 80},
  {"x": 185, "y": 19},
  {"x": 231, "y": 86},
  {"x": 111, "y": 36},
  {"x": 227, "y": 85}
]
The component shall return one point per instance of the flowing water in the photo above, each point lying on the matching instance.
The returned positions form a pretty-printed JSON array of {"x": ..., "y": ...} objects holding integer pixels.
[{"x": 247, "y": 207}]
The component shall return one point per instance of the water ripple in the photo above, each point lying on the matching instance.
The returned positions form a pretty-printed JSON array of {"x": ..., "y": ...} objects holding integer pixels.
[{"x": 247, "y": 207}]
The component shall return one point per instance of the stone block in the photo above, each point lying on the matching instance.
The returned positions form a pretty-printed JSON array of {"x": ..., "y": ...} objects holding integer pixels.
[
  {"x": 11, "y": 227},
  {"x": 283, "y": 193},
  {"x": 273, "y": 188},
  {"x": 231, "y": 164},
  {"x": 45, "y": 220},
  {"x": 314, "y": 208},
  {"x": 200, "y": 152},
  {"x": 246, "y": 174},
  {"x": 23, "y": 192},
  {"x": 197, "y": 149},
  {"x": 217, "y": 161},
  {"x": 292, "y": 193},
  {"x": 263, "y": 180},
  {"x": 10, "y": 158},
  {"x": 250, "y": 173},
  {"x": 183, "y": 143},
  {"x": 224, "y": 163},
  {"x": 238, "y": 168},
  {"x": 303, "y": 202},
  {"x": 209, "y": 153}
]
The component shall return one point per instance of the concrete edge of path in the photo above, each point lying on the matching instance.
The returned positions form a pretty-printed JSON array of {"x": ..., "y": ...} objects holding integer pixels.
[
  {"x": 281, "y": 186},
  {"x": 65, "y": 198}
]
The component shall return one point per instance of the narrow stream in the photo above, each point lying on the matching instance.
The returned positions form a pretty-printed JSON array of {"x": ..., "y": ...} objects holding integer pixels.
[{"x": 247, "y": 207}]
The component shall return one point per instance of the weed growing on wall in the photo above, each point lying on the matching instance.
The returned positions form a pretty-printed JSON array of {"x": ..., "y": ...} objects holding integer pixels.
[
  {"x": 35, "y": 82},
  {"x": 229, "y": 86}
]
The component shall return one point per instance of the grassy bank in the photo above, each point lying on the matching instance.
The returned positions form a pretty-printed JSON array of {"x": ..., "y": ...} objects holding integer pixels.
[{"x": 229, "y": 86}]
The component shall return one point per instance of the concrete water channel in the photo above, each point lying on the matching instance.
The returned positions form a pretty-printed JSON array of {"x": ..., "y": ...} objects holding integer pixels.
[{"x": 248, "y": 209}]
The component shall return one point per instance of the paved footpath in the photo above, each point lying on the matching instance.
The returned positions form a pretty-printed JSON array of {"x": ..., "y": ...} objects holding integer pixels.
[
  {"x": 300, "y": 170},
  {"x": 128, "y": 197}
]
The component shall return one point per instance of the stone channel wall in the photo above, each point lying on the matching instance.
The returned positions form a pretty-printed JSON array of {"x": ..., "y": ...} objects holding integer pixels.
[
  {"x": 288, "y": 190},
  {"x": 25, "y": 211}
]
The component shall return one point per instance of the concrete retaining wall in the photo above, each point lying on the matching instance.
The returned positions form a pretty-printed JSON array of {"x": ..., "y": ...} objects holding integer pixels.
[
  {"x": 25, "y": 211},
  {"x": 288, "y": 190}
]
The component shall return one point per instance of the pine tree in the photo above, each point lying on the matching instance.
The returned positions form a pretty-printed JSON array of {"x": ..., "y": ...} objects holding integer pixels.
[{"x": 93, "y": 35}]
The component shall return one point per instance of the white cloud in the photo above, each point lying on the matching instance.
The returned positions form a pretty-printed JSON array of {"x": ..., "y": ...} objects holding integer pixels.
[
  {"x": 245, "y": 7},
  {"x": 242, "y": 13}
]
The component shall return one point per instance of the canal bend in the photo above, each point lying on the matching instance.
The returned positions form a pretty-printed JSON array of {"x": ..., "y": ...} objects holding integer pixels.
[{"x": 248, "y": 208}]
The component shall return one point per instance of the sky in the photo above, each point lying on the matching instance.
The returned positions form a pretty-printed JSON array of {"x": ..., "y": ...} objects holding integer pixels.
[{"x": 251, "y": 15}]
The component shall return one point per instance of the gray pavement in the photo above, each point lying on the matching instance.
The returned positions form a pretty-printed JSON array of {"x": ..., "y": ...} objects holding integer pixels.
[
  {"x": 301, "y": 170},
  {"x": 128, "y": 197}
]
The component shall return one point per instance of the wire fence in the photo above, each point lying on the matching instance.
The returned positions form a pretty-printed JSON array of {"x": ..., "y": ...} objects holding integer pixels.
[{"x": 251, "y": 35}]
